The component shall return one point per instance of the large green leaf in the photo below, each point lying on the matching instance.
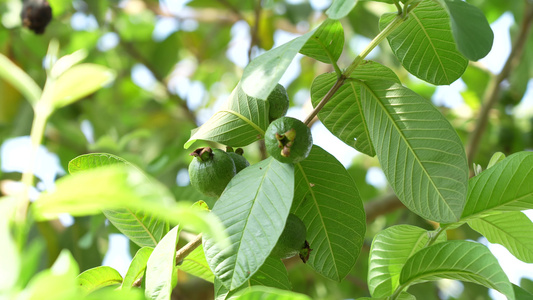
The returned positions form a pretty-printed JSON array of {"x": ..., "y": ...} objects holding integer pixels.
[
  {"x": 424, "y": 44},
  {"x": 328, "y": 202},
  {"x": 326, "y": 43},
  {"x": 99, "y": 277},
  {"x": 137, "y": 267},
  {"x": 402, "y": 296},
  {"x": 390, "y": 250},
  {"x": 470, "y": 28},
  {"x": 342, "y": 115},
  {"x": 121, "y": 187},
  {"x": 196, "y": 264},
  {"x": 161, "y": 273},
  {"x": 506, "y": 186},
  {"x": 268, "y": 293},
  {"x": 460, "y": 260},
  {"x": 78, "y": 82},
  {"x": 420, "y": 152},
  {"x": 253, "y": 208},
  {"x": 11, "y": 73},
  {"x": 272, "y": 274},
  {"x": 509, "y": 229},
  {"x": 340, "y": 8},
  {"x": 242, "y": 120},
  {"x": 263, "y": 73},
  {"x": 143, "y": 229}
]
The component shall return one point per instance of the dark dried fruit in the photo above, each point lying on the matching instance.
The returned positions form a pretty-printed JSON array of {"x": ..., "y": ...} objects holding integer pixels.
[
  {"x": 211, "y": 170},
  {"x": 288, "y": 140},
  {"x": 36, "y": 14}
]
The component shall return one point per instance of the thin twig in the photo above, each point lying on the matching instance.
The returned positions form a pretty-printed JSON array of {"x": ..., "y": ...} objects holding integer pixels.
[
  {"x": 254, "y": 37},
  {"x": 381, "y": 206},
  {"x": 492, "y": 93}
]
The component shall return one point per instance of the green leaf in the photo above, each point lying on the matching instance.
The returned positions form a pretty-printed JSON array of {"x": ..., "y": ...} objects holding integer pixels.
[
  {"x": 509, "y": 229},
  {"x": 328, "y": 202},
  {"x": 19, "y": 79},
  {"x": 420, "y": 152},
  {"x": 268, "y": 293},
  {"x": 521, "y": 293},
  {"x": 108, "y": 293},
  {"x": 504, "y": 187},
  {"x": 241, "y": 121},
  {"x": 496, "y": 158},
  {"x": 326, "y": 43},
  {"x": 425, "y": 46},
  {"x": 263, "y": 73},
  {"x": 402, "y": 296},
  {"x": 271, "y": 274},
  {"x": 143, "y": 229},
  {"x": 98, "y": 277},
  {"x": 459, "y": 260},
  {"x": 66, "y": 62},
  {"x": 390, "y": 250},
  {"x": 255, "y": 204},
  {"x": 137, "y": 267},
  {"x": 470, "y": 28},
  {"x": 342, "y": 115},
  {"x": 10, "y": 259},
  {"x": 119, "y": 186},
  {"x": 161, "y": 273},
  {"x": 196, "y": 264},
  {"x": 340, "y": 8},
  {"x": 78, "y": 82}
]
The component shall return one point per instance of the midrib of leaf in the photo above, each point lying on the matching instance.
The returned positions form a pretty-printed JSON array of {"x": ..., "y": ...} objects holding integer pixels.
[
  {"x": 413, "y": 249},
  {"x": 363, "y": 120},
  {"x": 320, "y": 214},
  {"x": 245, "y": 119},
  {"x": 407, "y": 143},
  {"x": 328, "y": 53},
  {"x": 144, "y": 227},
  {"x": 446, "y": 273},
  {"x": 432, "y": 46},
  {"x": 248, "y": 218}
]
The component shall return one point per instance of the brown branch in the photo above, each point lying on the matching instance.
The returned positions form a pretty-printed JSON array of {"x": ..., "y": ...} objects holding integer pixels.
[
  {"x": 382, "y": 206},
  {"x": 254, "y": 37},
  {"x": 493, "y": 90},
  {"x": 233, "y": 9}
]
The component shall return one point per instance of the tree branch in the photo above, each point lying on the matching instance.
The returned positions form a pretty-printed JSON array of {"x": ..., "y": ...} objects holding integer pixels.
[
  {"x": 492, "y": 92},
  {"x": 382, "y": 206}
]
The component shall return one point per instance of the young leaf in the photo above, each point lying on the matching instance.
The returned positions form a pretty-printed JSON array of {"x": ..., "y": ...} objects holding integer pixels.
[
  {"x": 98, "y": 277},
  {"x": 328, "y": 202},
  {"x": 504, "y": 187},
  {"x": 143, "y": 229},
  {"x": 196, "y": 264},
  {"x": 78, "y": 82},
  {"x": 340, "y": 8},
  {"x": 263, "y": 73},
  {"x": 342, "y": 115},
  {"x": 390, "y": 250},
  {"x": 420, "y": 152},
  {"x": 496, "y": 158},
  {"x": 425, "y": 46},
  {"x": 255, "y": 204},
  {"x": 241, "y": 121},
  {"x": 460, "y": 260},
  {"x": 137, "y": 267},
  {"x": 272, "y": 274},
  {"x": 509, "y": 229},
  {"x": 161, "y": 273},
  {"x": 11, "y": 73},
  {"x": 121, "y": 187},
  {"x": 263, "y": 292},
  {"x": 470, "y": 28},
  {"x": 326, "y": 43}
]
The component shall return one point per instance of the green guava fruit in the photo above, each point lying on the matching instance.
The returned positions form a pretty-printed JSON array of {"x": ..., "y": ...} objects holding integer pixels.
[
  {"x": 211, "y": 170},
  {"x": 238, "y": 158},
  {"x": 278, "y": 102},
  {"x": 288, "y": 140},
  {"x": 292, "y": 240}
]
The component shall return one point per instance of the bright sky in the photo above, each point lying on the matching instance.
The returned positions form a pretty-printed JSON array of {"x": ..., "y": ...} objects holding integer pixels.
[{"x": 12, "y": 151}]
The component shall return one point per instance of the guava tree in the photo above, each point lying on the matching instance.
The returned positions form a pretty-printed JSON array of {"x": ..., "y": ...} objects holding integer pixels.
[{"x": 296, "y": 198}]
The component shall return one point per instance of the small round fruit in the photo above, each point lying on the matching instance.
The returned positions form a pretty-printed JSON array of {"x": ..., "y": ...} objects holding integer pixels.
[
  {"x": 278, "y": 102},
  {"x": 288, "y": 140},
  {"x": 211, "y": 170},
  {"x": 292, "y": 239},
  {"x": 239, "y": 160}
]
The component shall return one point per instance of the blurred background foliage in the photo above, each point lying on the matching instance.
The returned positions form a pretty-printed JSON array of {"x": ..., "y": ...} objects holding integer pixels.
[{"x": 177, "y": 61}]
